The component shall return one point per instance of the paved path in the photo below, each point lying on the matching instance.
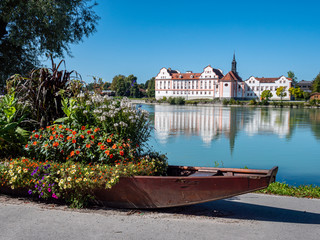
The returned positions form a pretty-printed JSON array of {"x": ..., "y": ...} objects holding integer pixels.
[{"x": 251, "y": 216}]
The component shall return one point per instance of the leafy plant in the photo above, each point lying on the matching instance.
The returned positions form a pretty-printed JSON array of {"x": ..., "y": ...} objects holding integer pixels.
[{"x": 42, "y": 91}]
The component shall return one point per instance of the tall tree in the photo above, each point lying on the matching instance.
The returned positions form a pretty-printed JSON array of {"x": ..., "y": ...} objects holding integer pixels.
[
  {"x": 30, "y": 29},
  {"x": 316, "y": 84},
  {"x": 293, "y": 77},
  {"x": 151, "y": 87}
]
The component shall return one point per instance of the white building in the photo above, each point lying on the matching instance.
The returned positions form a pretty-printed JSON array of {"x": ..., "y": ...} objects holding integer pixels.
[
  {"x": 255, "y": 86},
  {"x": 211, "y": 83}
]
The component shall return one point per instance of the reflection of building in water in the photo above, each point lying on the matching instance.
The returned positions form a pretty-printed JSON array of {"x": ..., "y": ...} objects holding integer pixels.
[
  {"x": 206, "y": 122},
  {"x": 265, "y": 121},
  {"x": 210, "y": 122}
]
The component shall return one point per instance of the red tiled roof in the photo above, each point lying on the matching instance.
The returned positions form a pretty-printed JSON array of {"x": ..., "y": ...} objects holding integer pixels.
[
  {"x": 231, "y": 76},
  {"x": 185, "y": 75},
  {"x": 267, "y": 80}
]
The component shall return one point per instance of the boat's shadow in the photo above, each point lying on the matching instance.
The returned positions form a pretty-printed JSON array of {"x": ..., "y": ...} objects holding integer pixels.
[{"x": 233, "y": 209}]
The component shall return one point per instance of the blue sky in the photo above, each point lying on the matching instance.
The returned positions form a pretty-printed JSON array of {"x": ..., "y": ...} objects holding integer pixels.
[{"x": 140, "y": 37}]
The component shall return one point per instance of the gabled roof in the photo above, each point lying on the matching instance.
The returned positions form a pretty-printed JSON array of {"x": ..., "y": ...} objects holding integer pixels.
[
  {"x": 231, "y": 76},
  {"x": 217, "y": 72},
  {"x": 267, "y": 80}
]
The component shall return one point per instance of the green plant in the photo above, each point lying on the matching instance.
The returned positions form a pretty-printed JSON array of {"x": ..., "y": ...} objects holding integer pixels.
[
  {"x": 12, "y": 136},
  {"x": 252, "y": 102},
  {"x": 179, "y": 101},
  {"x": 225, "y": 101}
]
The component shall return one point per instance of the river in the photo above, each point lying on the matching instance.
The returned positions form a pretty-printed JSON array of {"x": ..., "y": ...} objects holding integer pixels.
[{"x": 240, "y": 137}]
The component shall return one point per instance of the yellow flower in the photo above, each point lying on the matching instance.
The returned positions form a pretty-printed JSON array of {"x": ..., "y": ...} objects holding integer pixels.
[
  {"x": 19, "y": 171},
  {"x": 84, "y": 179},
  {"x": 12, "y": 187},
  {"x": 58, "y": 172},
  {"x": 73, "y": 171},
  {"x": 73, "y": 166}
]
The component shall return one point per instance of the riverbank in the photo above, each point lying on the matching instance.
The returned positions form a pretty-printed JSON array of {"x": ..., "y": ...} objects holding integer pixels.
[
  {"x": 208, "y": 102},
  {"x": 250, "y": 216}
]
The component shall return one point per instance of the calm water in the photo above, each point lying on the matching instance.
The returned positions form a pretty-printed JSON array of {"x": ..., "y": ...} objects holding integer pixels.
[{"x": 239, "y": 137}]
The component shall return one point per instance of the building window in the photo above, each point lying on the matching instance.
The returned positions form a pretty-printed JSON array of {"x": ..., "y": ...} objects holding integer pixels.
[
  {"x": 226, "y": 85},
  {"x": 271, "y": 88},
  {"x": 261, "y": 88}
]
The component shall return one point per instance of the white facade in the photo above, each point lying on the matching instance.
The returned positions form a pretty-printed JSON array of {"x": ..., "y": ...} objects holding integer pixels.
[
  {"x": 211, "y": 83},
  {"x": 255, "y": 86}
]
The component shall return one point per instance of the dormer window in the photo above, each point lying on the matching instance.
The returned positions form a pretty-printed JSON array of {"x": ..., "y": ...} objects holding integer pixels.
[
  {"x": 180, "y": 76},
  {"x": 191, "y": 76}
]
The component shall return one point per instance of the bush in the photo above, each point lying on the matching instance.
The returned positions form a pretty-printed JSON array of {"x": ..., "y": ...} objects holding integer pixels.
[
  {"x": 180, "y": 101},
  {"x": 171, "y": 101},
  {"x": 225, "y": 101},
  {"x": 252, "y": 102},
  {"x": 112, "y": 116},
  {"x": 61, "y": 144}
]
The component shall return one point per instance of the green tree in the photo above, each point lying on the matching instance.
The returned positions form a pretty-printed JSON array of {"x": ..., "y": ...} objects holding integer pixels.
[
  {"x": 151, "y": 87},
  {"x": 316, "y": 84},
  {"x": 266, "y": 95},
  {"x": 296, "y": 92},
  {"x": 293, "y": 77},
  {"x": 30, "y": 29},
  {"x": 281, "y": 92}
]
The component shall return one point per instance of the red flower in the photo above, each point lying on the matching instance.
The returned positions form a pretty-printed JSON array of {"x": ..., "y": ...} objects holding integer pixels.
[
  {"x": 55, "y": 144},
  {"x": 111, "y": 156},
  {"x": 36, "y": 136},
  {"x": 99, "y": 143},
  {"x": 107, "y": 152},
  {"x": 72, "y": 153},
  {"x": 88, "y": 145},
  {"x": 26, "y": 146},
  {"x": 120, "y": 147},
  {"x": 92, "y": 136},
  {"x": 82, "y": 136},
  {"x": 108, "y": 140},
  {"x": 69, "y": 137},
  {"x": 103, "y": 147},
  {"x": 61, "y": 136},
  {"x": 51, "y": 137},
  {"x": 74, "y": 132},
  {"x": 60, "y": 126},
  {"x": 83, "y": 128},
  {"x": 121, "y": 153},
  {"x": 74, "y": 141},
  {"x": 34, "y": 143},
  {"x": 96, "y": 130},
  {"x": 89, "y": 132},
  {"x": 77, "y": 152}
]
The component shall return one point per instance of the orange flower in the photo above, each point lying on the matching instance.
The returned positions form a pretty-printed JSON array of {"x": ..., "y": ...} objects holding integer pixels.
[
  {"x": 88, "y": 145},
  {"x": 74, "y": 141},
  {"x": 72, "y": 153},
  {"x": 82, "y": 136},
  {"x": 46, "y": 145},
  {"x": 99, "y": 143},
  {"x": 77, "y": 152},
  {"x": 74, "y": 132},
  {"x": 120, "y": 147},
  {"x": 69, "y": 137},
  {"x": 114, "y": 146},
  {"x": 96, "y": 130},
  {"x": 51, "y": 137},
  {"x": 111, "y": 156},
  {"x": 34, "y": 143},
  {"x": 55, "y": 144},
  {"x": 108, "y": 140},
  {"x": 103, "y": 147},
  {"x": 60, "y": 126},
  {"x": 121, "y": 153},
  {"x": 107, "y": 152},
  {"x": 83, "y": 128},
  {"x": 54, "y": 133}
]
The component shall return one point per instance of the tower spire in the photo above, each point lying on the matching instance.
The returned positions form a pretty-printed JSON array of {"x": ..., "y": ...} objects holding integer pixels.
[{"x": 234, "y": 63}]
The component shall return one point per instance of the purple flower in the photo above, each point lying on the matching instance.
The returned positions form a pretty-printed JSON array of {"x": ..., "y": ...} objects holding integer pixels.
[
  {"x": 36, "y": 186},
  {"x": 30, "y": 192}
]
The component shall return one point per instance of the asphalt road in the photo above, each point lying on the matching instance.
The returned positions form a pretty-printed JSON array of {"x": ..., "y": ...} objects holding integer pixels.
[{"x": 250, "y": 216}]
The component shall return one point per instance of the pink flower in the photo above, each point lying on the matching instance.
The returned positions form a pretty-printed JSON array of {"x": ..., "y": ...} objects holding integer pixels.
[
  {"x": 49, "y": 189},
  {"x": 54, "y": 196}
]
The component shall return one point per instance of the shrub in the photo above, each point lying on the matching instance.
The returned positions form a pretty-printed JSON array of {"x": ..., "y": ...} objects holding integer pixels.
[
  {"x": 225, "y": 101},
  {"x": 172, "y": 101},
  {"x": 60, "y": 144},
  {"x": 252, "y": 102},
  {"x": 180, "y": 101},
  {"x": 112, "y": 116}
]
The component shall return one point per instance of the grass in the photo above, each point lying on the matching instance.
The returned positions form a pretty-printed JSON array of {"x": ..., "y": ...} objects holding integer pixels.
[{"x": 283, "y": 189}]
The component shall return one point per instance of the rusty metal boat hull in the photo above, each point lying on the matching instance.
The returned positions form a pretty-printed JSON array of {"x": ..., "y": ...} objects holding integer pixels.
[{"x": 190, "y": 185}]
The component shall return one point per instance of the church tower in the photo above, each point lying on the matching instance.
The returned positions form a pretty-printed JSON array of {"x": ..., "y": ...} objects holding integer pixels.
[{"x": 234, "y": 64}]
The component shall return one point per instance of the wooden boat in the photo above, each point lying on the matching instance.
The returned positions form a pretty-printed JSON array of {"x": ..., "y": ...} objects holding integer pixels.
[{"x": 184, "y": 186}]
